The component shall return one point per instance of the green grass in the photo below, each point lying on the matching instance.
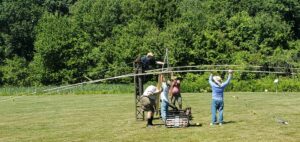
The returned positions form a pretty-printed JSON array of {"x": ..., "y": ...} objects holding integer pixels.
[{"x": 108, "y": 118}]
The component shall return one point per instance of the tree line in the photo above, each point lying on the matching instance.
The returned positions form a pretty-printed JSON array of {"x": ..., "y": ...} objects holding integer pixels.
[{"x": 54, "y": 42}]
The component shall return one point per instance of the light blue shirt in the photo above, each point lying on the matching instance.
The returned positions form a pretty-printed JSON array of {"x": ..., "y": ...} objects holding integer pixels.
[
  {"x": 165, "y": 92},
  {"x": 218, "y": 91}
]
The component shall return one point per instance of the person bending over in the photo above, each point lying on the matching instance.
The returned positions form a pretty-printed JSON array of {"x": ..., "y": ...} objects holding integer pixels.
[{"x": 148, "y": 102}]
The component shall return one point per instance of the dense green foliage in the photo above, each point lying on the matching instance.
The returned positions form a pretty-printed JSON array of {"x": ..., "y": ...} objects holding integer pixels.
[
  {"x": 53, "y": 42},
  {"x": 199, "y": 83}
]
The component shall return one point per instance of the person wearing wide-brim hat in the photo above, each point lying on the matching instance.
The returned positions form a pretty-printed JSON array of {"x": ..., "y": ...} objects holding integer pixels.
[{"x": 217, "y": 104}]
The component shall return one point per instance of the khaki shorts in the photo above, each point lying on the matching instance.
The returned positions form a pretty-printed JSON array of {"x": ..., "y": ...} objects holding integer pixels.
[{"x": 147, "y": 104}]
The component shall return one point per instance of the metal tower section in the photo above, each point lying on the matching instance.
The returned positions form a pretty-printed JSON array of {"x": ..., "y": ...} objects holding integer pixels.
[
  {"x": 139, "y": 89},
  {"x": 139, "y": 85}
]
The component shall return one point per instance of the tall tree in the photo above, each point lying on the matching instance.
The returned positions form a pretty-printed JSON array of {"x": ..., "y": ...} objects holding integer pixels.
[
  {"x": 17, "y": 21},
  {"x": 61, "y": 7}
]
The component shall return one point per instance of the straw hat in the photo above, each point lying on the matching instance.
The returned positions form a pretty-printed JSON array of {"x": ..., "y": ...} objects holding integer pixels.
[
  {"x": 150, "y": 54},
  {"x": 217, "y": 79},
  {"x": 168, "y": 82},
  {"x": 173, "y": 77}
]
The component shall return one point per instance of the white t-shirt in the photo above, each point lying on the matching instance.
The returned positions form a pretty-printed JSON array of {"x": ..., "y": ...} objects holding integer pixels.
[
  {"x": 150, "y": 90},
  {"x": 165, "y": 92}
]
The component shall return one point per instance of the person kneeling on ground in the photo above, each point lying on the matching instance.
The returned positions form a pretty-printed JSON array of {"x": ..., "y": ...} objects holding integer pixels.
[
  {"x": 148, "y": 102},
  {"x": 218, "y": 96}
]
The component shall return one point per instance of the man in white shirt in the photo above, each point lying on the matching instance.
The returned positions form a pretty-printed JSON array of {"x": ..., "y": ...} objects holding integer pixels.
[{"x": 148, "y": 102}]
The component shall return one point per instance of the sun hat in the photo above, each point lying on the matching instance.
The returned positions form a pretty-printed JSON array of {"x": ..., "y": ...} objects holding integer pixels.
[
  {"x": 168, "y": 82},
  {"x": 217, "y": 78},
  {"x": 173, "y": 77},
  {"x": 150, "y": 54}
]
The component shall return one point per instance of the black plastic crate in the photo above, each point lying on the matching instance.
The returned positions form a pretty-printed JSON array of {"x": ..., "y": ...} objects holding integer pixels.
[
  {"x": 178, "y": 118},
  {"x": 177, "y": 121}
]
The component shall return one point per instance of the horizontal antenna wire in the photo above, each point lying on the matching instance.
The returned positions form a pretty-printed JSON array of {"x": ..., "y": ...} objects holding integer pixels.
[{"x": 155, "y": 72}]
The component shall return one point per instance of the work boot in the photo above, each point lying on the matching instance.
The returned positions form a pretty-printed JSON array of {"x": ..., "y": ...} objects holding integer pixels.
[{"x": 149, "y": 121}]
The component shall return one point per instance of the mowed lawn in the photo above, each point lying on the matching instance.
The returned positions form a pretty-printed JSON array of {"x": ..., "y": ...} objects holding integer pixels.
[{"x": 105, "y": 118}]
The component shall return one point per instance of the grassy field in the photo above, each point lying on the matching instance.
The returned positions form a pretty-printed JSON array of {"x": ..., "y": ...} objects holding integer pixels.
[{"x": 105, "y": 118}]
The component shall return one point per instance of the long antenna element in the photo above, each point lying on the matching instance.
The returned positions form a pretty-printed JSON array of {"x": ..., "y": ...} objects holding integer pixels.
[{"x": 52, "y": 90}]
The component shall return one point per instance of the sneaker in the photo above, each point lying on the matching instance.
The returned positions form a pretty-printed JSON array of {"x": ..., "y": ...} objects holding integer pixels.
[
  {"x": 149, "y": 126},
  {"x": 220, "y": 124},
  {"x": 211, "y": 124}
]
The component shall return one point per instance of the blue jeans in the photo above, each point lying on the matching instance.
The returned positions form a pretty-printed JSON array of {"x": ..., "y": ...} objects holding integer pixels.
[
  {"x": 164, "y": 110},
  {"x": 217, "y": 105}
]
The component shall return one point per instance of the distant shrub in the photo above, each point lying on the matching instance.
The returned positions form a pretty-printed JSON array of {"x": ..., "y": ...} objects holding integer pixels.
[{"x": 199, "y": 83}]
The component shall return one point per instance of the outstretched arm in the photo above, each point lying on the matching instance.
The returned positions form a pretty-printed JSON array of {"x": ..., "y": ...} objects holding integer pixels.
[
  {"x": 160, "y": 62},
  {"x": 228, "y": 79},
  {"x": 171, "y": 88},
  {"x": 172, "y": 106},
  {"x": 158, "y": 91}
]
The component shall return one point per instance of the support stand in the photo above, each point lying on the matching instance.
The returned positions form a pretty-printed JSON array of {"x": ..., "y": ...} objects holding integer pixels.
[{"x": 139, "y": 89}]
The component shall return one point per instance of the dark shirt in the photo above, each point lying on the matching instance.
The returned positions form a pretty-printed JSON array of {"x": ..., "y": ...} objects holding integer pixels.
[{"x": 147, "y": 63}]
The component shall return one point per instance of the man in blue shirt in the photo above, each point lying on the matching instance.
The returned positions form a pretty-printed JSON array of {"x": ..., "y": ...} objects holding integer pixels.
[
  {"x": 218, "y": 96},
  {"x": 142, "y": 64},
  {"x": 149, "y": 61}
]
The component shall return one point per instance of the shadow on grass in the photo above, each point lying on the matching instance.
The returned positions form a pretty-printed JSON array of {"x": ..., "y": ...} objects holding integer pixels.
[
  {"x": 159, "y": 124},
  {"x": 195, "y": 125},
  {"x": 229, "y": 122},
  {"x": 156, "y": 118}
]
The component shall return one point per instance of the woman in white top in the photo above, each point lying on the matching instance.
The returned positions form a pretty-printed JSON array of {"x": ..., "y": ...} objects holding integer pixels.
[{"x": 165, "y": 99}]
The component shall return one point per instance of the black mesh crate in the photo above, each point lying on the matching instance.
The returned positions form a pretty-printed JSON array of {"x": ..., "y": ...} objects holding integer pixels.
[{"x": 178, "y": 118}]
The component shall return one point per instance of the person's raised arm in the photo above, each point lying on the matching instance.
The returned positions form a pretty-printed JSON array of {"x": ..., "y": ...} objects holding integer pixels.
[
  {"x": 210, "y": 78},
  {"x": 171, "y": 88},
  {"x": 228, "y": 78},
  {"x": 158, "y": 91}
]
